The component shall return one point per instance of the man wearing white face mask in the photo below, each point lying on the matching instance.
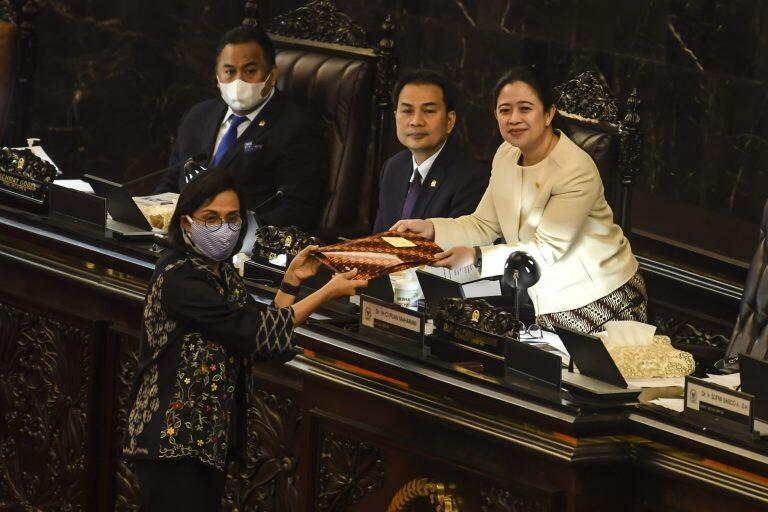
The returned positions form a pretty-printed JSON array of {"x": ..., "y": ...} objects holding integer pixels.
[{"x": 268, "y": 142}]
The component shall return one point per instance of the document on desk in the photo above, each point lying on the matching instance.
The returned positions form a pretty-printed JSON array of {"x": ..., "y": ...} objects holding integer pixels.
[
  {"x": 79, "y": 185},
  {"x": 461, "y": 275},
  {"x": 674, "y": 404},
  {"x": 731, "y": 381},
  {"x": 657, "y": 382},
  {"x": 469, "y": 277}
]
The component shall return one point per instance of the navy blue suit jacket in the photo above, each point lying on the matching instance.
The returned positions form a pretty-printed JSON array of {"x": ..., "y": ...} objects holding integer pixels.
[
  {"x": 282, "y": 148},
  {"x": 453, "y": 187}
]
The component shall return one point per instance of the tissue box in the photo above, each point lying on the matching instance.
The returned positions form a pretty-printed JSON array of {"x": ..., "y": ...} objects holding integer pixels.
[{"x": 659, "y": 359}]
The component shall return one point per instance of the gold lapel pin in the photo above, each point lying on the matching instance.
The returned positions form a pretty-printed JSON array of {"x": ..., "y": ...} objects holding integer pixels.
[
  {"x": 262, "y": 123},
  {"x": 433, "y": 184}
]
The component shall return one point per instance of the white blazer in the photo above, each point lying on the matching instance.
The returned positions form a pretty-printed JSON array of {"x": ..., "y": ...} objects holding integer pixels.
[{"x": 555, "y": 211}]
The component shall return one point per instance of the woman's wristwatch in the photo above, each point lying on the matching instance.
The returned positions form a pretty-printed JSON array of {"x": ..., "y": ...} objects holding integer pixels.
[
  {"x": 290, "y": 289},
  {"x": 478, "y": 258}
]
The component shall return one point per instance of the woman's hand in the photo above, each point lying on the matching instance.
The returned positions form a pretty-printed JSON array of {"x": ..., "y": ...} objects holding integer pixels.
[
  {"x": 343, "y": 285},
  {"x": 422, "y": 228},
  {"x": 455, "y": 257},
  {"x": 304, "y": 265}
]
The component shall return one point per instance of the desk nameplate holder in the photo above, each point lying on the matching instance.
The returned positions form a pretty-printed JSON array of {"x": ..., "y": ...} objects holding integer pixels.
[
  {"x": 507, "y": 360},
  {"x": 82, "y": 208},
  {"x": 719, "y": 409},
  {"x": 392, "y": 326},
  {"x": 22, "y": 188}
]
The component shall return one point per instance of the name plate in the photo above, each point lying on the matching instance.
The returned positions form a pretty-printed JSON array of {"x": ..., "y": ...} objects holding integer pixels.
[
  {"x": 391, "y": 319},
  {"x": 468, "y": 335},
  {"x": 718, "y": 407},
  {"x": 22, "y": 187}
]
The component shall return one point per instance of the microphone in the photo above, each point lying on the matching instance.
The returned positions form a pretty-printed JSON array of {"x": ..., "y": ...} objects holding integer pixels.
[
  {"x": 194, "y": 166},
  {"x": 253, "y": 223},
  {"x": 632, "y": 304},
  {"x": 194, "y": 159},
  {"x": 277, "y": 195}
]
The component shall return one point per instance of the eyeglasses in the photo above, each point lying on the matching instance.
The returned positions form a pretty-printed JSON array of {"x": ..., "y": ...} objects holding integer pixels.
[
  {"x": 531, "y": 332},
  {"x": 213, "y": 223}
]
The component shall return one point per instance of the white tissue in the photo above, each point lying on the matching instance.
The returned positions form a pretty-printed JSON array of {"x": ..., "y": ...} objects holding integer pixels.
[{"x": 627, "y": 333}]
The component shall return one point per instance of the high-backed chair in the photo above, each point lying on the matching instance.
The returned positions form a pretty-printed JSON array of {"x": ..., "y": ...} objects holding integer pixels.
[
  {"x": 18, "y": 48},
  {"x": 328, "y": 66},
  {"x": 589, "y": 116},
  {"x": 750, "y": 334}
]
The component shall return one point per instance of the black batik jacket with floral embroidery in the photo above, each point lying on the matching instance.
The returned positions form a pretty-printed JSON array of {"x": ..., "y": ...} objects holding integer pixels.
[{"x": 198, "y": 331}]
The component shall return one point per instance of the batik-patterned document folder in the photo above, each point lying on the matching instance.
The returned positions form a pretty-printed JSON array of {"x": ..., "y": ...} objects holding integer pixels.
[{"x": 380, "y": 254}]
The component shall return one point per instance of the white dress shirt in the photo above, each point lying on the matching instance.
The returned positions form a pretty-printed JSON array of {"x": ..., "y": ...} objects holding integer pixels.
[
  {"x": 242, "y": 126},
  {"x": 426, "y": 165}
]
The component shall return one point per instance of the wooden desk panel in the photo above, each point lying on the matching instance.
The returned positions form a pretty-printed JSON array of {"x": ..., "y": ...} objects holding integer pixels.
[{"x": 344, "y": 426}]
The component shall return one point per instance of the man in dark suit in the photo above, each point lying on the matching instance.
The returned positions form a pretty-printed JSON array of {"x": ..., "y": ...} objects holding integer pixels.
[
  {"x": 434, "y": 176},
  {"x": 271, "y": 145}
]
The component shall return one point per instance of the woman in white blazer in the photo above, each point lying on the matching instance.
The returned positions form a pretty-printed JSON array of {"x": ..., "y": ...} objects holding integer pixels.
[{"x": 545, "y": 198}]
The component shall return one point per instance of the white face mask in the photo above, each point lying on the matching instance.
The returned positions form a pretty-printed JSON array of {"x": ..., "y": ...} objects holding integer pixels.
[{"x": 242, "y": 96}]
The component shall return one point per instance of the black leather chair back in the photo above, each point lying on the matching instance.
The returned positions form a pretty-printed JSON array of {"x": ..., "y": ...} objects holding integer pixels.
[
  {"x": 338, "y": 91},
  {"x": 601, "y": 142},
  {"x": 589, "y": 116},
  {"x": 750, "y": 335}
]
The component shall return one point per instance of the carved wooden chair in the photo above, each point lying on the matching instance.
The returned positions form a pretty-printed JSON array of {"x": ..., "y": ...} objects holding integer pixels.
[
  {"x": 328, "y": 66},
  {"x": 750, "y": 334},
  {"x": 17, "y": 64},
  {"x": 589, "y": 115}
]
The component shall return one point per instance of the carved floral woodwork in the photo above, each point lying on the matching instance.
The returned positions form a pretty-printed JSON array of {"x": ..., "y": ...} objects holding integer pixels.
[
  {"x": 45, "y": 368},
  {"x": 320, "y": 20},
  {"x": 266, "y": 479},
  {"x": 498, "y": 499},
  {"x": 349, "y": 471},
  {"x": 587, "y": 97}
]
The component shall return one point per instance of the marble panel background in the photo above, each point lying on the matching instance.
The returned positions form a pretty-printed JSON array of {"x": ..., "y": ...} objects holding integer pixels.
[{"x": 115, "y": 77}]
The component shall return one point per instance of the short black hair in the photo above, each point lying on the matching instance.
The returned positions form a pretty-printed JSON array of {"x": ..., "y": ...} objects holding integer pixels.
[
  {"x": 533, "y": 77},
  {"x": 248, "y": 34},
  {"x": 203, "y": 188},
  {"x": 426, "y": 77}
]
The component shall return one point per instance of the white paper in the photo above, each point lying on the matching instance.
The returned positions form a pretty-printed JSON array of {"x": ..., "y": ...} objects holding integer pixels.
[
  {"x": 460, "y": 275},
  {"x": 731, "y": 381},
  {"x": 675, "y": 404},
  {"x": 469, "y": 278},
  {"x": 482, "y": 288},
  {"x": 82, "y": 186},
  {"x": 657, "y": 382},
  {"x": 551, "y": 340},
  {"x": 164, "y": 199}
]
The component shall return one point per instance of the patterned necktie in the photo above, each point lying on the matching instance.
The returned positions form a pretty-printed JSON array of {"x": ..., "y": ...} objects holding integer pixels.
[
  {"x": 229, "y": 138},
  {"x": 413, "y": 195}
]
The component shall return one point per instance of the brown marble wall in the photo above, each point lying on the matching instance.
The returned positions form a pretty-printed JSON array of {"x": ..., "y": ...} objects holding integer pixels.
[{"x": 115, "y": 77}]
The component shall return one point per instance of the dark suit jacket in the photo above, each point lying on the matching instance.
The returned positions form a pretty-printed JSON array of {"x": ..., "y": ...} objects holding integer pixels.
[
  {"x": 283, "y": 148},
  {"x": 459, "y": 183}
]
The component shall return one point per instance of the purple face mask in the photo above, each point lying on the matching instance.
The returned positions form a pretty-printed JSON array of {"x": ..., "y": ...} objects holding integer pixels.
[{"x": 216, "y": 244}]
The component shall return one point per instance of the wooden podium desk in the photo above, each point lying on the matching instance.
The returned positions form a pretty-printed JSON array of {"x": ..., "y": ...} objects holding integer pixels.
[{"x": 343, "y": 425}]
